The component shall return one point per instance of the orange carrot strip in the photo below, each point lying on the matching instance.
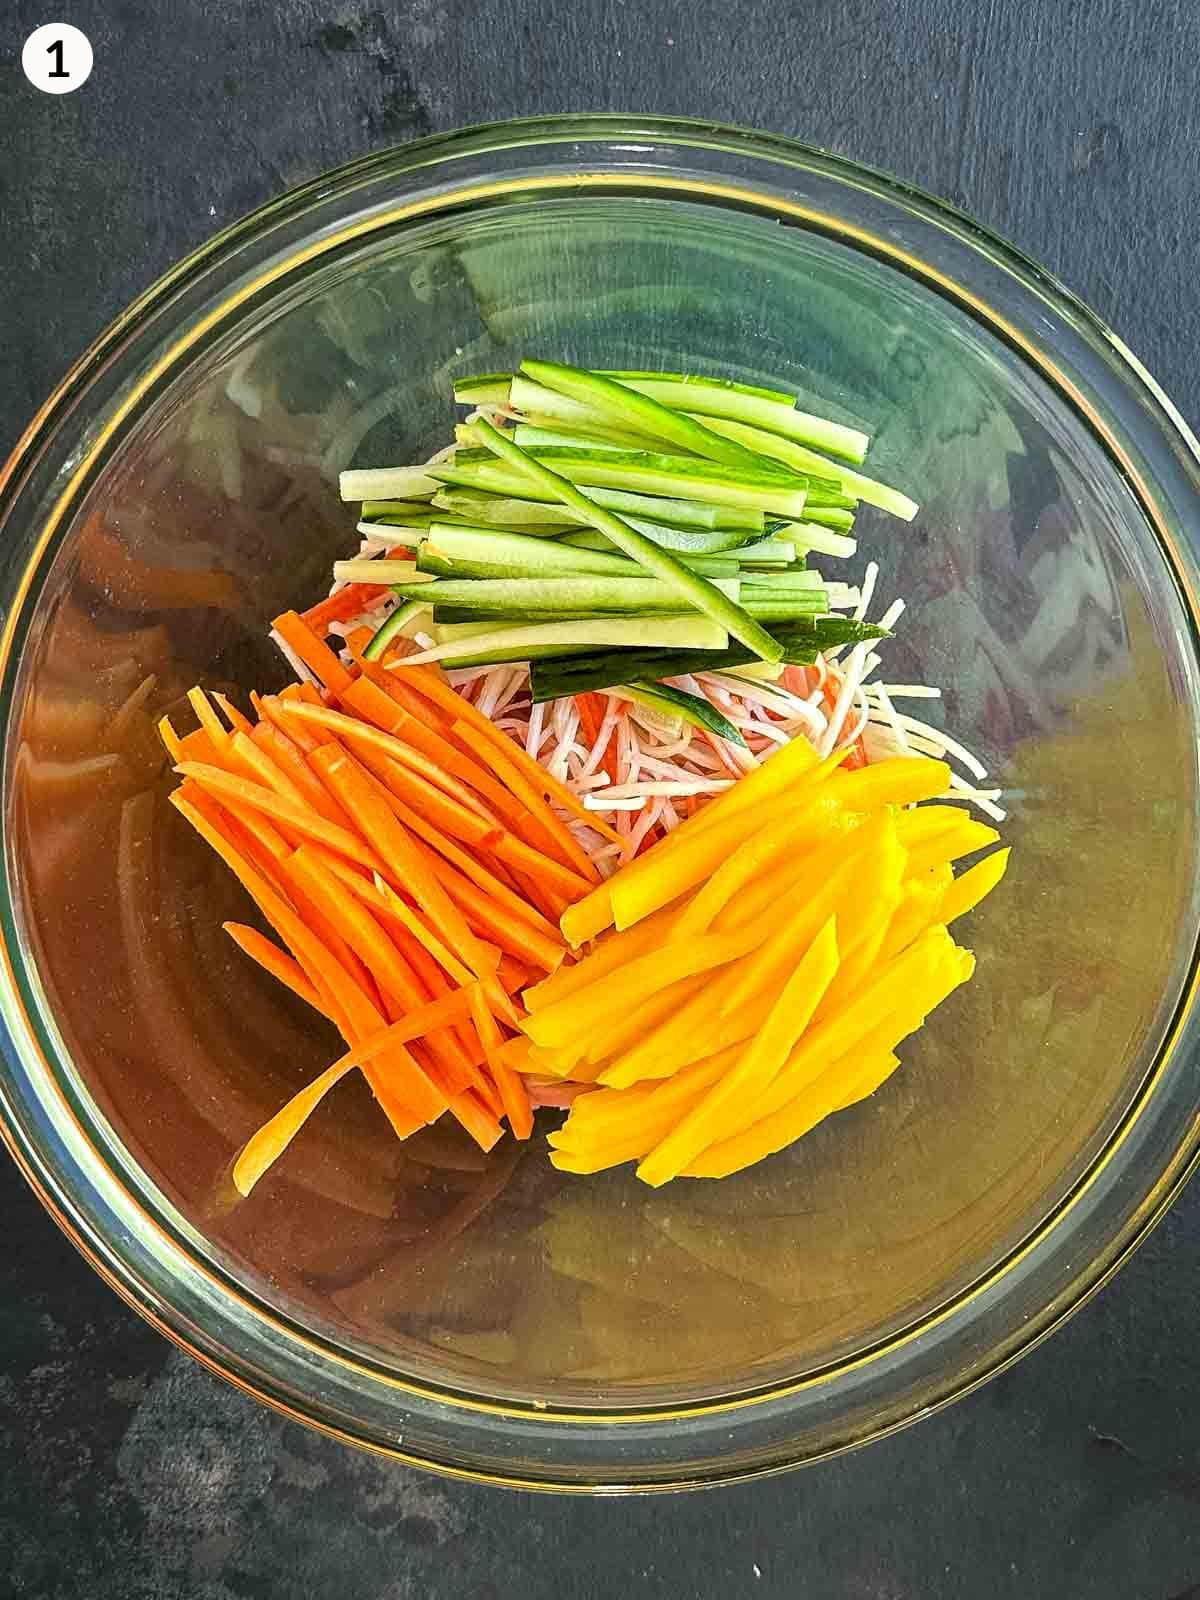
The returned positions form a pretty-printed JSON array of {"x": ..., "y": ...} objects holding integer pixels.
[
  {"x": 512, "y": 1090},
  {"x": 284, "y": 812},
  {"x": 272, "y": 959},
  {"x": 259, "y": 768},
  {"x": 359, "y": 733},
  {"x": 236, "y": 720},
  {"x": 169, "y": 738},
  {"x": 197, "y": 746},
  {"x": 371, "y": 698},
  {"x": 345, "y": 604},
  {"x": 548, "y": 874},
  {"x": 434, "y": 687},
  {"x": 288, "y": 756},
  {"x": 357, "y": 641},
  {"x": 207, "y": 717},
  {"x": 552, "y": 829},
  {"x": 478, "y": 874},
  {"x": 306, "y": 740},
  {"x": 476, "y": 1119},
  {"x": 489, "y": 917},
  {"x": 406, "y": 867},
  {"x": 314, "y": 652},
  {"x": 513, "y": 974},
  {"x": 445, "y": 814},
  {"x": 361, "y": 1017},
  {"x": 376, "y": 950}
]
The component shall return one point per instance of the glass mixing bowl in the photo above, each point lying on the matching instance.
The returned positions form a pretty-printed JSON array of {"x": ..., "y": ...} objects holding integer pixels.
[{"x": 489, "y": 1316}]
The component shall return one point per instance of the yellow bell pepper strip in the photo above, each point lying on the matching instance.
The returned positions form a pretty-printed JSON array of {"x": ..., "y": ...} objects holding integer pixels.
[
  {"x": 949, "y": 845},
  {"x": 762, "y": 1060},
  {"x": 969, "y": 889}
]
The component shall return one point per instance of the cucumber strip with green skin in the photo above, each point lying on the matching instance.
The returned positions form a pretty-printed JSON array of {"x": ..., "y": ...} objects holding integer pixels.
[
  {"x": 476, "y": 508},
  {"x": 692, "y": 590},
  {"x": 394, "y": 510},
  {"x": 483, "y": 389},
  {"x": 418, "y": 519},
  {"x": 551, "y": 680},
  {"x": 769, "y": 552},
  {"x": 838, "y": 518},
  {"x": 523, "y": 556},
  {"x": 534, "y": 438},
  {"x": 500, "y": 481},
  {"x": 684, "y": 541},
  {"x": 432, "y": 559},
  {"x": 826, "y": 496},
  {"x": 713, "y": 400},
  {"x": 802, "y": 459},
  {"x": 627, "y": 409},
  {"x": 782, "y": 396},
  {"x": 401, "y": 624},
  {"x": 600, "y": 472},
  {"x": 794, "y": 578},
  {"x": 811, "y": 536},
  {"x": 548, "y": 596},
  {"x": 387, "y": 483},
  {"x": 688, "y": 633},
  {"x": 779, "y": 608},
  {"x": 757, "y": 474},
  {"x": 692, "y": 708}
]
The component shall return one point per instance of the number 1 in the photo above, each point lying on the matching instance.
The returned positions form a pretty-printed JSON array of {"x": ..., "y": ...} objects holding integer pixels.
[{"x": 56, "y": 50}]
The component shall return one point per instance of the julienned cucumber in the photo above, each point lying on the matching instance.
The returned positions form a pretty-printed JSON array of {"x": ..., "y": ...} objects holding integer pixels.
[
  {"x": 782, "y": 396},
  {"x": 482, "y": 389},
  {"x": 677, "y": 703},
  {"x": 801, "y": 643},
  {"x": 387, "y": 483},
  {"x": 801, "y": 459},
  {"x": 684, "y": 541},
  {"x": 692, "y": 590},
  {"x": 498, "y": 480},
  {"x": 714, "y": 400},
  {"x": 498, "y": 511},
  {"x": 624, "y": 408},
  {"x": 467, "y": 552},
  {"x": 604, "y": 470},
  {"x": 528, "y": 642},
  {"x": 402, "y": 623},
  {"x": 550, "y": 596}
]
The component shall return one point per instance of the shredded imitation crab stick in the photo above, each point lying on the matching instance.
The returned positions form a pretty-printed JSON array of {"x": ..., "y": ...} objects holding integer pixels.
[{"x": 754, "y": 1026}]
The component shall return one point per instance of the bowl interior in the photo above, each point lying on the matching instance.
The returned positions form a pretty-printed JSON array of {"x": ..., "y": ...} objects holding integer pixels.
[{"x": 1036, "y": 596}]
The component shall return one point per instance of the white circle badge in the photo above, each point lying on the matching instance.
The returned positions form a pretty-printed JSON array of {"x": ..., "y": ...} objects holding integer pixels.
[{"x": 57, "y": 58}]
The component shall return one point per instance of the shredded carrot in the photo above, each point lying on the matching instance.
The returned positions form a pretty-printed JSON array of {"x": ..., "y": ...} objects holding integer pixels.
[
  {"x": 405, "y": 867},
  {"x": 476, "y": 1119},
  {"x": 286, "y": 813},
  {"x": 248, "y": 758},
  {"x": 360, "y": 1015},
  {"x": 555, "y": 832},
  {"x": 360, "y": 733},
  {"x": 272, "y": 959},
  {"x": 207, "y": 717},
  {"x": 169, "y": 738},
  {"x": 289, "y": 758},
  {"x": 443, "y": 812},
  {"x": 470, "y": 868},
  {"x": 434, "y": 687},
  {"x": 314, "y": 652},
  {"x": 512, "y": 1090},
  {"x": 237, "y": 721},
  {"x": 371, "y": 697}
]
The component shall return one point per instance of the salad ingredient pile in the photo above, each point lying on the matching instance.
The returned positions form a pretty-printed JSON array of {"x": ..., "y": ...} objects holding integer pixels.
[{"x": 575, "y": 802}]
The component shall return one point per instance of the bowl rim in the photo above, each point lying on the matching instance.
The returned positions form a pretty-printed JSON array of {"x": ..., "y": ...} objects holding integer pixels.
[{"x": 526, "y": 136}]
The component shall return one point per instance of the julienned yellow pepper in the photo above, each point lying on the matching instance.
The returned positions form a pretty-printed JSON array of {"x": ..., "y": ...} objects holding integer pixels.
[{"x": 764, "y": 1055}]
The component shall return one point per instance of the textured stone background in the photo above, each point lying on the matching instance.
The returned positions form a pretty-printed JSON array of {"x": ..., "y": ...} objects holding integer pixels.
[{"x": 1072, "y": 128}]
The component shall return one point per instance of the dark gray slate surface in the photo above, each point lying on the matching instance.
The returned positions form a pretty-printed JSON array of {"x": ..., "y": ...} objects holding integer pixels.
[{"x": 1071, "y": 127}]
